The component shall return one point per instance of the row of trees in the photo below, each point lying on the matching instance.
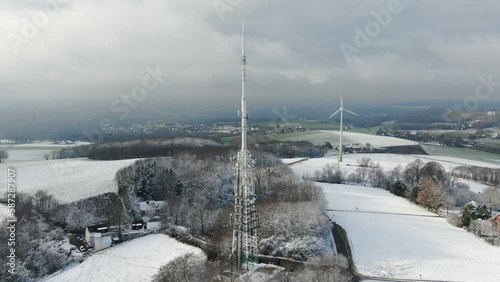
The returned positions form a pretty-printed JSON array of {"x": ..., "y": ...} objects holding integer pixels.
[
  {"x": 486, "y": 175},
  {"x": 143, "y": 148},
  {"x": 425, "y": 183},
  {"x": 300, "y": 149},
  {"x": 151, "y": 148}
]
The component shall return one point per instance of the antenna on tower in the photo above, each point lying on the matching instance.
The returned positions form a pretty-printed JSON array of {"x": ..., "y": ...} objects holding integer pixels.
[
  {"x": 245, "y": 219},
  {"x": 244, "y": 114}
]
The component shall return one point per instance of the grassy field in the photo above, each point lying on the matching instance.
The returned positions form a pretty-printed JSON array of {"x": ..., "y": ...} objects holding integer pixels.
[
  {"x": 252, "y": 139},
  {"x": 226, "y": 140},
  {"x": 465, "y": 153},
  {"x": 490, "y": 145}
]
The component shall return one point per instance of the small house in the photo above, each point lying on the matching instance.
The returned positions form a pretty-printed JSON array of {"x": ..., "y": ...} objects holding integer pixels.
[
  {"x": 137, "y": 225},
  {"x": 98, "y": 236},
  {"x": 482, "y": 212}
]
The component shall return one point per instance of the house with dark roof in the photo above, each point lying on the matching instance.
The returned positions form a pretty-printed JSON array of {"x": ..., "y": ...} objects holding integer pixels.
[
  {"x": 99, "y": 236},
  {"x": 482, "y": 212}
]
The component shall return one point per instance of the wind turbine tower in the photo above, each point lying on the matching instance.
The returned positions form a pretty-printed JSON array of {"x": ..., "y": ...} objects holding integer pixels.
[
  {"x": 341, "y": 110},
  {"x": 245, "y": 218}
]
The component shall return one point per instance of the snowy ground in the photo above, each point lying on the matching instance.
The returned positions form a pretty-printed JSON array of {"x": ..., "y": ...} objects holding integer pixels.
[
  {"x": 394, "y": 238},
  {"x": 3, "y": 212},
  {"x": 68, "y": 180},
  {"x": 321, "y": 136},
  {"x": 43, "y": 144},
  {"x": 33, "y": 151},
  {"x": 386, "y": 161},
  {"x": 134, "y": 261},
  {"x": 474, "y": 186},
  {"x": 26, "y": 155}
]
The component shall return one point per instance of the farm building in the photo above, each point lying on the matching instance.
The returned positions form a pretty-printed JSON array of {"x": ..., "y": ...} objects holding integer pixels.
[
  {"x": 98, "y": 236},
  {"x": 102, "y": 236}
]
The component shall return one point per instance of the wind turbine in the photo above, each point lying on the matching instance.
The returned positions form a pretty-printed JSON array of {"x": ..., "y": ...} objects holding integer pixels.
[{"x": 341, "y": 110}]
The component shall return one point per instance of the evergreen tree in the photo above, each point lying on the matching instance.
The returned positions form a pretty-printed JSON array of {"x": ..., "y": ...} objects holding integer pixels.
[
  {"x": 398, "y": 188},
  {"x": 467, "y": 214}
]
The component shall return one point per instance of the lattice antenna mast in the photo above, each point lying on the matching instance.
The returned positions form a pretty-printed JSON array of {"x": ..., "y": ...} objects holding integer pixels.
[
  {"x": 245, "y": 218},
  {"x": 244, "y": 114}
]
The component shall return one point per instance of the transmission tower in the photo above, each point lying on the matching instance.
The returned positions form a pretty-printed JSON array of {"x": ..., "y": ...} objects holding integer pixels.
[{"x": 245, "y": 219}]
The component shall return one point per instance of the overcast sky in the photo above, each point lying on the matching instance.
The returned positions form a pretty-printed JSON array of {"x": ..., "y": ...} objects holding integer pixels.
[{"x": 101, "y": 49}]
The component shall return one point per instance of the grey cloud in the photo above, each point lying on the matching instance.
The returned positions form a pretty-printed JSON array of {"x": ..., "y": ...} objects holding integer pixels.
[{"x": 99, "y": 49}]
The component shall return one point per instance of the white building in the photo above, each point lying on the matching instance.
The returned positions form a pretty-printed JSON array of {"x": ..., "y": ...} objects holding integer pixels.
[{"x": 98, "y": 236}]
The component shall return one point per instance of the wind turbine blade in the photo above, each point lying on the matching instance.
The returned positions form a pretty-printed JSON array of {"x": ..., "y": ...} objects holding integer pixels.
[
  {"x": 341, "y": 100},
  {"x": 353, "y": 113},
  {"x": 334, "y": 113}
]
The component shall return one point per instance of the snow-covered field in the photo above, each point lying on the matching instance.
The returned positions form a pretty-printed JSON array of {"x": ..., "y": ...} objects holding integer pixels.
[
  {"x": 26, "y": 155},
  {"x": 3, "y": 211},
  {"x": 386, "y": 161},
  {"x": 32, "y": 152},
  {"x": 474, "y": 186},
  {"x": 43, "y": 144},
  {"x": 321, "y": 136},
  {"x": 134, "y": 261},
  {"x": 68, "y": 180},
  {"x": 394, "y": 238}
]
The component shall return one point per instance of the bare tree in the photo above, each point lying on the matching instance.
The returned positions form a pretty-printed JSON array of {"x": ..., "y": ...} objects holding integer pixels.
[
  {"x": 3, "y": 156},
  {"x": 365, "y": 162},
  {"x": 44, "y": 202},
  {"x": 490, "y": 197},
  {"x": 412, "y": 173},
  {"x": 397, "y": 173},
  {"x": 377, "y": 177}
]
